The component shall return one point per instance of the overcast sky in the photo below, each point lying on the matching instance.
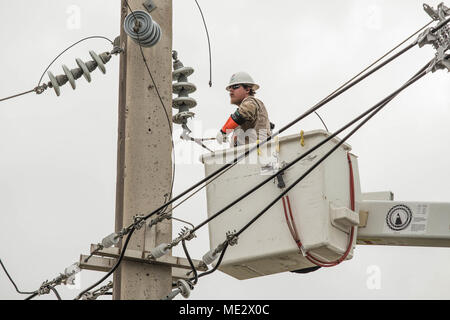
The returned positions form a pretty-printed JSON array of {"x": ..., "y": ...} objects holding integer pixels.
[{"x": 58, "y": 163}]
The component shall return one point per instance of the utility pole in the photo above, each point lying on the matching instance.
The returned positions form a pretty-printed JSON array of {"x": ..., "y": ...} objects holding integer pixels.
[{"x": 144, "y": 162}]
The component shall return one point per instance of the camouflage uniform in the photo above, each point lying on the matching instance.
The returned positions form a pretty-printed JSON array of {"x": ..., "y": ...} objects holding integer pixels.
[{"x": 256, "y": 125}]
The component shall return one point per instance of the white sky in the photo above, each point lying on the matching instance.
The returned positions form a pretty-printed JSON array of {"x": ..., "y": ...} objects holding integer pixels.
[{"x": 58, "y": 163}]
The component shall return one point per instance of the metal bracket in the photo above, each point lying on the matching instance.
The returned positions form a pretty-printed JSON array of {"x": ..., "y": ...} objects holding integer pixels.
[
  {"x": 138, "y": 221},
  {"x": 232, "y": 238},
  {"x": 149, "y": 5},
  {"x": 138, "y": 256}
]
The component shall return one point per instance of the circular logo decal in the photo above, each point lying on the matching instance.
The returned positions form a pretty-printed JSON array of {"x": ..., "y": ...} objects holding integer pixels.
[{"x": 399, "y": 217}]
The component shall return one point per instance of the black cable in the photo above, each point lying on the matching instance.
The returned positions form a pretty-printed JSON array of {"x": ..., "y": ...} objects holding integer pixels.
[
  {"x": 12, "y": 281},
  {"x": 56, "y": 293},
  {"x": 110, "y": 272},
  {"x": 209, "y": 44},
  {"x": 379, "y": 106},
  {"x": 188, "y": 257}
]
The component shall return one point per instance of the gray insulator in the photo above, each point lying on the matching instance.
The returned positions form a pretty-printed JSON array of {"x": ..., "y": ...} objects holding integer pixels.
[
  {"x": 209, "y": 257},
  {"x": 69, "y": 76},
  {"x": 110, "y": 240},
  {"x": 184, "y": 287},
  {"x": 86, "y": 72},
  {"x": 148, "y": 33},
  {"x": 182, "y": 73},
  {"x": 183, "y": 88},
  {"x": 159, "y": 251},
  {"x": 183, "y": 103},
  {"x": 54, "y": 83}
]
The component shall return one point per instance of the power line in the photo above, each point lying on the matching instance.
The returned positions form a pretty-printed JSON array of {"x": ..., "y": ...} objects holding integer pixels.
[
  {"x": 209, "y": 43},
  {"x": 12, "y": 281}
]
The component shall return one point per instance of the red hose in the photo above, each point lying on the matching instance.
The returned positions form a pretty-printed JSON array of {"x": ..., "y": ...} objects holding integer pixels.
[{"x": 292, "y": 228}]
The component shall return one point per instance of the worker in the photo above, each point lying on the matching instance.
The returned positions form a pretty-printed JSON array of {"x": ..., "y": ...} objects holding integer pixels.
[{"x": 250, "y": 122}]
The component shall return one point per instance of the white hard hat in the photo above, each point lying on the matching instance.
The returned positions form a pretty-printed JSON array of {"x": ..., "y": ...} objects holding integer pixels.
[{"x": 242, "y": 78}]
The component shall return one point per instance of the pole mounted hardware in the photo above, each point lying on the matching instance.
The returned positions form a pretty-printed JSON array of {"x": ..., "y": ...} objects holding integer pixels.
[
  {"x": 164, "y": 248},
  {"x": 182, "y": 87},
  {"x": 149, "y": 5},
  {"x": 438, "y": 37},
  {"x": 84, "y": 69},
  {"x": 140, "y": 27}
]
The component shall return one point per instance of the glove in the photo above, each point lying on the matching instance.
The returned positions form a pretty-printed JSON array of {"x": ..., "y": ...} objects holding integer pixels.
[{"x": 221, "y": 137}]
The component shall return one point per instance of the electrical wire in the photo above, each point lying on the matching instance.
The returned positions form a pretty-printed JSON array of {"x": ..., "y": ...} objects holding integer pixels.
[
  {"x": 18, "y": 95},
  {"x": 12, "y": 281},
  {"x": 321, "y": 120},
  {"x": 209, "y": 43},
  {"x": 188, "y": 257},
  {"x": 56, "y": 293},
  {"x": 110, "y": 272}
]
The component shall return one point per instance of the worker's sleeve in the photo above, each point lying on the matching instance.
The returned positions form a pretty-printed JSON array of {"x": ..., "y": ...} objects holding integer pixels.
[{"x": 248, "y": 110}]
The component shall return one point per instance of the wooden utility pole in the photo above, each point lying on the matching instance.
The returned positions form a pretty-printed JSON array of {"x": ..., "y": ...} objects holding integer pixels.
[{"x": 144, "y": 162}]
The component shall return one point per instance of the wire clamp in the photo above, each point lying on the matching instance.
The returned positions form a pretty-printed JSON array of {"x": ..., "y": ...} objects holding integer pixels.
[
  {"x": 232, "y": 238},
  {"x": 138, "y": 221},
  {"x": 40, "y": 89},
  {"x": 160, "y": 218},
  {"x": 185, "y": 234},
  {"x": 97, "y": 293}
]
